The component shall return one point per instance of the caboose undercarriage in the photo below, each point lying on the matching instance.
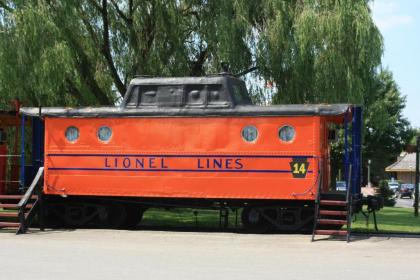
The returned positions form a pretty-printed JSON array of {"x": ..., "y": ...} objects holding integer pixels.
[{"x": 257, "y": 216}]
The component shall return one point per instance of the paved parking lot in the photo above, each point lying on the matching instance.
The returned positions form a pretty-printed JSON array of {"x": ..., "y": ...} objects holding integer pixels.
[
  {"x": 109, "y": 254},
  {"x": 405, "y": 202}
]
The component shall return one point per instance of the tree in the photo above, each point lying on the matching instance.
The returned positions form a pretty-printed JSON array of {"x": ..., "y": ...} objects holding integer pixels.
[
  {"x": 386, "y": 193},
  {"x": 413, "y": 141},
  {"x": 319, "y": 51},
  {"x": 387, "y": 132},
  {"x": 86, "y": 52}
]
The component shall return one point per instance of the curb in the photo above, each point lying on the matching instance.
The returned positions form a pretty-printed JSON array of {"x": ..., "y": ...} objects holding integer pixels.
[{"x": 399, "y": 235}]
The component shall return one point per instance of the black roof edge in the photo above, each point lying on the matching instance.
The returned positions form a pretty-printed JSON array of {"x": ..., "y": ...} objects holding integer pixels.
[{"x": 240, "y": 110}]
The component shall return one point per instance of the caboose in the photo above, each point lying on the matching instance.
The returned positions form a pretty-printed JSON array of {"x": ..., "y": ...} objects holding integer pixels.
[{"x": 192, "y": 142}]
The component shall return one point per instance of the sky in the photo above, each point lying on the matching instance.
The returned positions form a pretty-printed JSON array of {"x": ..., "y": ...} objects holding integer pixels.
[{"x": 399, "y": 23}]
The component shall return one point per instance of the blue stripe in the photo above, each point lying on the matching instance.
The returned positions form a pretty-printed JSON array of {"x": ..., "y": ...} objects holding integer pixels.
[
  {"x": 179, "y": 156},
  {"x": 173, "y": 170}
]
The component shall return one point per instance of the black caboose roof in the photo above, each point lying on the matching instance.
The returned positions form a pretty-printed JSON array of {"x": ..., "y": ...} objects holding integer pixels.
[
  {"x": 219, "y": 95},
  {"x": 219, "y": 91}
]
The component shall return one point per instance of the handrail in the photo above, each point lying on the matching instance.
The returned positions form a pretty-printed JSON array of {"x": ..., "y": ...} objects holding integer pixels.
[
  {"x": 320, "y": 182},
  {"x": 22, "y": 152},
  {"x": 25, "y": 219},
  {"x": 348, "y": 184},
  {"x": 28, "y": 194},
  {"x": 349, "y": 204},
  {"x": 318, "y": 198}
]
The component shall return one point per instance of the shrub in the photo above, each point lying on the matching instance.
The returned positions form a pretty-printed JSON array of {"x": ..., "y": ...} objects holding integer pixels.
[{"x": 386, "y": 193}]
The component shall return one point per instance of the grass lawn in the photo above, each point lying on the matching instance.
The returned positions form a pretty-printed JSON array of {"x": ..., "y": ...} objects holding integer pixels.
[
  {"x": 185, "y": 218},
  {"x": 390, "y": 220}
]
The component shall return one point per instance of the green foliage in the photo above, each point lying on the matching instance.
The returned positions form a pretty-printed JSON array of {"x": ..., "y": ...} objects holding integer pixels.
[
  {"x": 85, "y": 52},
  {"x": 44, "y": 64},
  {"x": 187, "y": 218},
  {"x": 386, "y": 132},
  {"x": 319, "y": 51},
  {"x": 386, "y": 193},
  {"x": 413, "y": 140}
]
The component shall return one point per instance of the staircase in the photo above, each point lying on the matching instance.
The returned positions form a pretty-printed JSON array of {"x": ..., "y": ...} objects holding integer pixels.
[
  {"x": 17, "y": 211},
  {"x": 333, "y": 211},
  {"x": 10, "y": 216}
]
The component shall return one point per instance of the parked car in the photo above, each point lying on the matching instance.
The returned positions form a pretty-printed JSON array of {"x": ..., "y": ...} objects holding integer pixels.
[
  {"x": 406, "y": 190},
  {"x": 394, "y": 186},
  {"x": 340, "y": 186}
]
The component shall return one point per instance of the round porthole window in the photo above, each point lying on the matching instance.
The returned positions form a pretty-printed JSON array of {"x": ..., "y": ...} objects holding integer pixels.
[
  {"x": 250, "y": 133},
  {"x": 287, "y": 133},
  {"x": 104, "y": 133},
  {"x": 72, "y": 134}
]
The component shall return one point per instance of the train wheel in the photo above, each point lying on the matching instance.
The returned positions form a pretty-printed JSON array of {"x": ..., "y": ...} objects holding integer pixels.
[
  {"x": 75, "y": 216},
  {"x": 54, "y": 216},
  {"x": 253, "y": 221},
  {"x": 70, "y": 215},
  {"x": 134, "y": 215},
  {"x": 116, "y": 215}
]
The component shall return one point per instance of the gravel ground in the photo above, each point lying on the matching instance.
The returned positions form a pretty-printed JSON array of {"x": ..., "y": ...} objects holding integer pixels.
[{"x": 111, "y": 254}]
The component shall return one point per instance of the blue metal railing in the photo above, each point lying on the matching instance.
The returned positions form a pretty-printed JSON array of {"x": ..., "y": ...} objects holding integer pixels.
[
  {"x": 22, "y": 157},
  {"x": 356, "y": 153},
  {"x": 28, "y": 172},
  {"x": 353, "y": 152}
]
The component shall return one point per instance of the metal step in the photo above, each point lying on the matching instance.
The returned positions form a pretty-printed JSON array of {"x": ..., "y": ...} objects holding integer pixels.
[
  {"x": 330, "y": 232},
  {"x": 332, "y": 213},
  {"x": 333, "y": 202},
  {"x": 10, "y": 197},
  {"x": 331, "y": 222},
  {"x": 9, "y": 224},
  {"x": 13, "y": 205},
  {"x": 333, "y": 196},
  {"x": 9, "y": 214}
]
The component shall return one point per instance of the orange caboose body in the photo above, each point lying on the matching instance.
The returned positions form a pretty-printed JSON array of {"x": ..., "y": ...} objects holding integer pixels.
[
  {"x": 201, "y": 157},
  {"x": 189, "y": 141}
]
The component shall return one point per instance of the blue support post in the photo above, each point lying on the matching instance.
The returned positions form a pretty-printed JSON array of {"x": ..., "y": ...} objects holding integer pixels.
[
  {"x": 356, "y": 158},
  {"x": 22, "y": 157},
  {"x": 37, "y": 143},
  {"x": 346, "y": 160}
]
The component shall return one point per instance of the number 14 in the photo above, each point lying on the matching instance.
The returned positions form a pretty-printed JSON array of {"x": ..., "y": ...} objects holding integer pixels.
[{"x": 299, "y": 168}]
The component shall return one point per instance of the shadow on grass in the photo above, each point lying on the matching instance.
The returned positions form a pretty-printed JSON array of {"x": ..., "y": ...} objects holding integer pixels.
[{"x": 392, "y": 220}]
